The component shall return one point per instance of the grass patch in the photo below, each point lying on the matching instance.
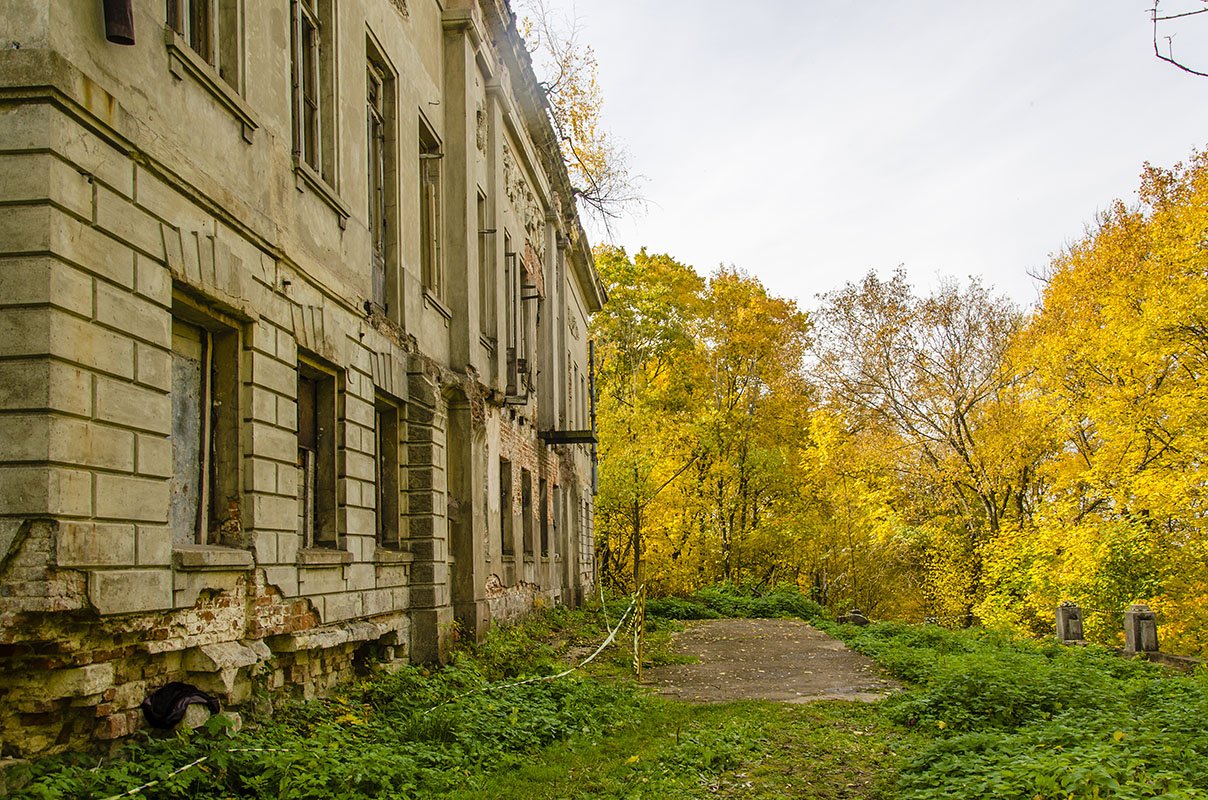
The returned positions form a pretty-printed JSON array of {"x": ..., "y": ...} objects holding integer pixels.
[
  {"x": 737, "y": 750},
  {"x": 1009, "y": 718},
  {"x": 984, "y": 715},
  {"x": 591, "y": 735}
]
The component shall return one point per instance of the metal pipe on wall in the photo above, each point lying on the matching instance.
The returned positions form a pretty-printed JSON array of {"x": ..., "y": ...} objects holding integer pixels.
[{"x": 119, "y": 21}]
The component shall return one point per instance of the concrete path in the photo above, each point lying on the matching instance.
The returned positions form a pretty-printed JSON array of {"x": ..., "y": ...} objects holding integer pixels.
[{"x": 784, "y": 660}]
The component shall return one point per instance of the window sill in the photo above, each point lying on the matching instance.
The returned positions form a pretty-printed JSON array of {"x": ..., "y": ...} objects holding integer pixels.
[
  {"x": 487, "y": 342},
  {"x": 323, "y": 557},
  {"x": 508, "y": 558},
  {"x": 305, "y": 178},
  {"x": 384, "y": 555},
  {"x": 432, "y": 301},
  {"x": 182, "y": 60},
  {"x": 201, "y": 557}
]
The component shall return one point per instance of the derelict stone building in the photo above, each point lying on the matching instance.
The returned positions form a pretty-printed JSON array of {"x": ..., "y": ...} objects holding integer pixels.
[{"x": 293, "y": 348}]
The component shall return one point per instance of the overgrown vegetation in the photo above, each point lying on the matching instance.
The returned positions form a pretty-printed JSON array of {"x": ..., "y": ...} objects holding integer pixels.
[
  {"x": 1012, "y": 718},
  {"x": 984, "y": 714},
  {"x": 728, "y": 601},
  {"x": 403, "y": 734}
]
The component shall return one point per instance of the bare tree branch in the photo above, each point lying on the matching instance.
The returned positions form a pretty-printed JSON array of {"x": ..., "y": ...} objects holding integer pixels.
[
  {"x": 598, "y": 168},
  {"x": 1169, "y": 56}
]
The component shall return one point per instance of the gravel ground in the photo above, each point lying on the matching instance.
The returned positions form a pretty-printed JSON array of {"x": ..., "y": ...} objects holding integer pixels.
[{"x": 783, "y": 660}]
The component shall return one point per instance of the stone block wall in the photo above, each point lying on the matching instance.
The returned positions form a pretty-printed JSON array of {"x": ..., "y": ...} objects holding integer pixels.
[
  {"x": 113, "y": 239},
  {"x": 95, "y": 599}
]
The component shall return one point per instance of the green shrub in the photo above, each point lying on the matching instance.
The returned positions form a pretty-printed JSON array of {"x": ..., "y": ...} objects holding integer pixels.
[
  {"x": 1014, "y": 718},
  {"x": 727, "y": 600}
]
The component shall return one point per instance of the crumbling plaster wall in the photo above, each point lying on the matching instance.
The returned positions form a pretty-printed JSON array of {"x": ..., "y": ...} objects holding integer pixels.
[{"x": 113, "y": 213}]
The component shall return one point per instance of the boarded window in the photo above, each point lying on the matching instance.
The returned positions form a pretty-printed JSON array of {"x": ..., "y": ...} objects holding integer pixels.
[
  {"x": 316, "y": 457},
  {"x": 556, "y": 521},
  {"x": 526, "y": 509},
  {"x": 190, "y": 431},
  {"x": 389, "y": 473},
  {"x": 205, "y": 488},
  {"x": 543, "y": 517},
  {"x": 507, "y": 542}
]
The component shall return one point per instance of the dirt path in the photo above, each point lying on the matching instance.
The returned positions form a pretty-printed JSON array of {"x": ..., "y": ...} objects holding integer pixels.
[{"x": 783, "y": 660}]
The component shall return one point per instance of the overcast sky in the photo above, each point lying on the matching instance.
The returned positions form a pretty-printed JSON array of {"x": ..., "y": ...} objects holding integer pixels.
[{"x": 808, "y": 141}]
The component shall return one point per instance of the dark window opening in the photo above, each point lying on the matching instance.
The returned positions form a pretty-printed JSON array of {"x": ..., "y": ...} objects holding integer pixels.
[
  {"x": 543, "y": 516},
  {"x": 507, "y": 543},
  {"x": 316, "y": 457},
  {"x": 526, "y": 509},
  {"x": 389, "y": 470}
]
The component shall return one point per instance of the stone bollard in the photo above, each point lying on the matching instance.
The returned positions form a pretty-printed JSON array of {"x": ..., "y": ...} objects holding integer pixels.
[
  {"x": 1069, "y": 623},
  {"x": 1140, "y": 630}
]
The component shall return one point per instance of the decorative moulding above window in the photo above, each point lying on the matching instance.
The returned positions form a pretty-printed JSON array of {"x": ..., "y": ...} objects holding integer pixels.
[
  {"x": 305, "y": 178},
  {"x": 201, "y": 263},
  {"x": 182, "y": 61},
  {"x": 311, "y": 328},
  {"x": 389, "y": 374}
]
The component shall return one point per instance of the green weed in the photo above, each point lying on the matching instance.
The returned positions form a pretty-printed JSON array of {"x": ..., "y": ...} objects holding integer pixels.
[{"x": 1011, "y": 718}]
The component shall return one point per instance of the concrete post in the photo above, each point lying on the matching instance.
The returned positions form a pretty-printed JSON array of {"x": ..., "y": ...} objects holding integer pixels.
[
  {"x": 1140, "y": 629},
  {"x": 1069, "y": 623}
]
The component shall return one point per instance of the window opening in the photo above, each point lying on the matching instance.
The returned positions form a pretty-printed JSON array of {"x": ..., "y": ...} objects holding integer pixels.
[
  {"x": 507, "y": 545},
  {"x": 314, "y": 87},
  {"x": 205, "y": 488},
  {"x": 211, "y": 29},
  {"x": 543, "y": 516},
  {"x": 192, "y": 351},
  {"x": 316, "y": 457},
  {"x": 526, "y": 509},
  {"x": 389, "y": 468},
  {"x": 430, "y": 211},
  {"x": 486, "y": 275},
  {"x": 376, "y": 128}
]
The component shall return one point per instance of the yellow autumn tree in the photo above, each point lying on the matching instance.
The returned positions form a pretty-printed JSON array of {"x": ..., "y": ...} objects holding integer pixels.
[
  {"x": 597, "y": 165},
  {"x": 649, "y": 392},
  {"x": 932, "y": 372},
  {"x": 1120, "y": 347}
]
